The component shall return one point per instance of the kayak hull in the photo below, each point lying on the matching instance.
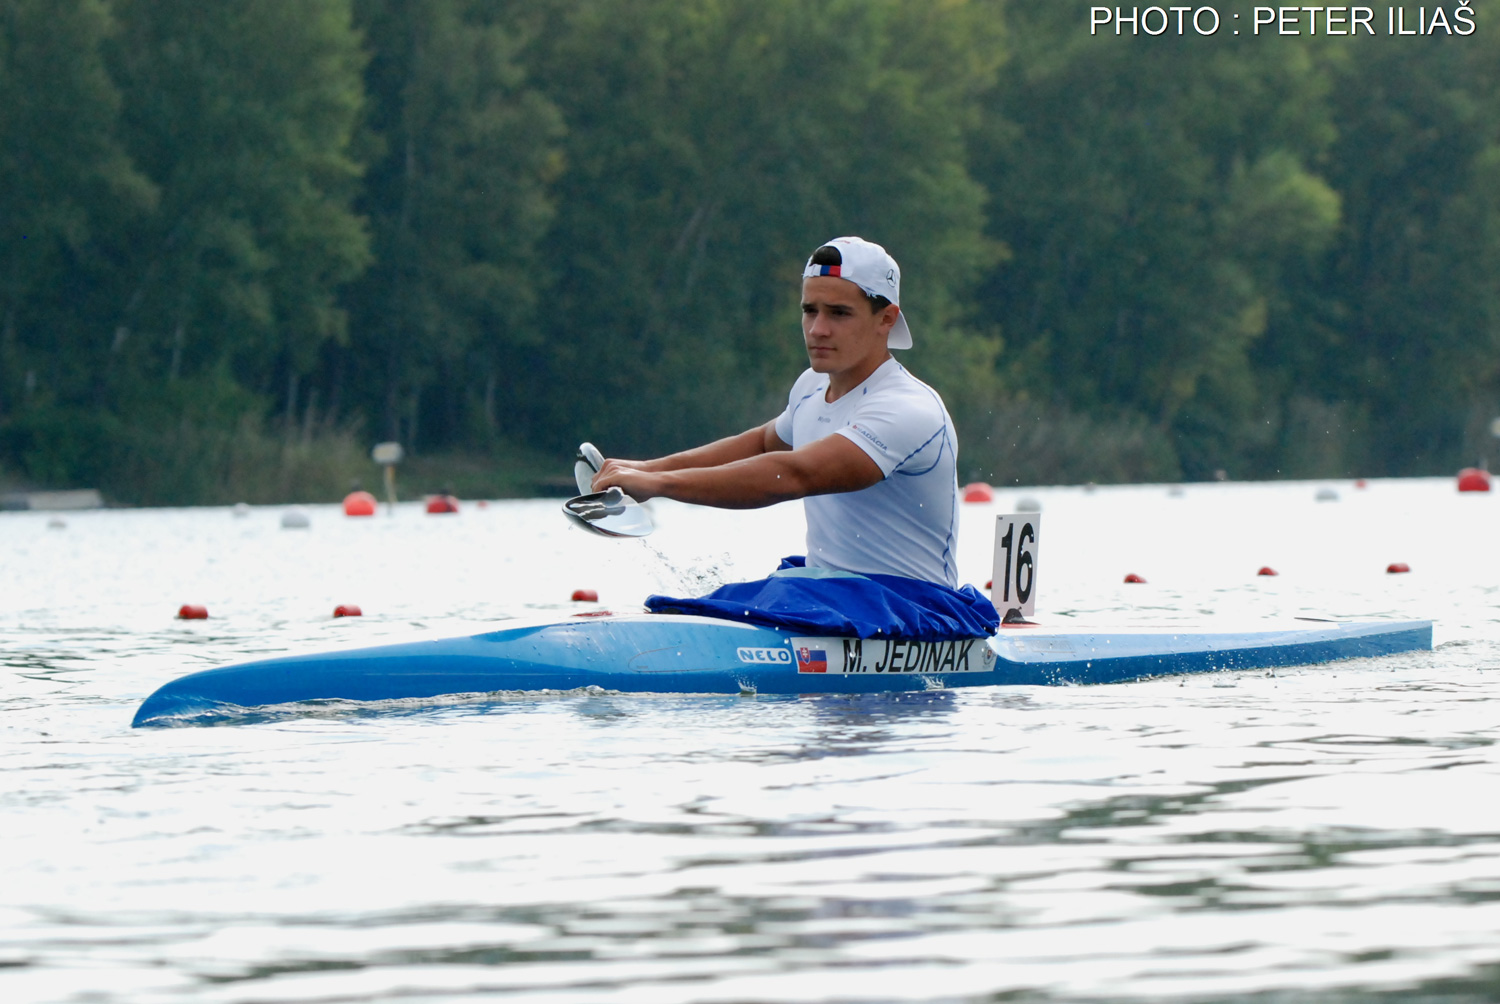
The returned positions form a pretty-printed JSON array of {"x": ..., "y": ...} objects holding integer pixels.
[{"x": 688, "y": 654}]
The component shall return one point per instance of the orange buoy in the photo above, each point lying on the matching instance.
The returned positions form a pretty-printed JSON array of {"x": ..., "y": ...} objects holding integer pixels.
[
  {"x": 978, "y": 491},
  {"x": 439, "y": 504},
  {"x": 359, "y": 504},
  {"x": 1266, "y": 570},
  {"x": 1132, "y": 577},
  {"x": 192, "y": 612},
  {"x": 585, "y": 596},
  {"x": 348, "y": 610},
  {"x": 1472, "y": 479},
  {"x": 1397, "y": 567}
]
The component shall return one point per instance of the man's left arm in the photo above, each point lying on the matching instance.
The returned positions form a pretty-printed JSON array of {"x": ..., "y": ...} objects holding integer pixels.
[{"x": 832, "y": 464}]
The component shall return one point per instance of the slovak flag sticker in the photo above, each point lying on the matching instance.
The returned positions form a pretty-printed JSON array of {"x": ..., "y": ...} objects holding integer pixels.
[{"x": 812, "y": 660}]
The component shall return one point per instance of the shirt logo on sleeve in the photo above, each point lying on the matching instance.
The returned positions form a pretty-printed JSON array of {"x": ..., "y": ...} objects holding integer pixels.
[{"x": 870, "y": 436}]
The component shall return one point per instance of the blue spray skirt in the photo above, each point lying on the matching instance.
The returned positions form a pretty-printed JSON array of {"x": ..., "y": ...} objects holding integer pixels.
[{"x": 664, "y": 653}]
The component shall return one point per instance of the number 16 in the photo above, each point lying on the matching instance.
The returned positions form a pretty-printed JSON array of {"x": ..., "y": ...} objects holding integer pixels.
[{"x": 1014, "y": 583}]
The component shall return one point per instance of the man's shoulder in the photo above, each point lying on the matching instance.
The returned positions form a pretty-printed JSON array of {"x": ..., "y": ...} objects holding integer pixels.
[
  {"x": 895, "y": 385},
  {"x": 904, "y": 419}
]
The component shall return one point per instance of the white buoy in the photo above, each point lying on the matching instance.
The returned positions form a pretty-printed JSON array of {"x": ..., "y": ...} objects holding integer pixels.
[
  {"x": 295, "y": 519},
  {"x": 241, "y": 510},
  {"x": 1028, "y": 504},
  {"x": 1327, "y": 495},
  {"x": 57, "y": 523}
]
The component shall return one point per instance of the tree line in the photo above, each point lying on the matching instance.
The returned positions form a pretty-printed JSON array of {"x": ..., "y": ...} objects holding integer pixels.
[{"x": 241, "y": 241}]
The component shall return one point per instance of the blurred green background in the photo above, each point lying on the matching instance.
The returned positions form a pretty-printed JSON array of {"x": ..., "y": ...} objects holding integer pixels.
[{"x": 242, "y": 240}]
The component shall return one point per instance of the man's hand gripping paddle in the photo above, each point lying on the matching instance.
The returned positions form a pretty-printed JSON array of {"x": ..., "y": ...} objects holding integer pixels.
[{"x": 610, "y": 513}]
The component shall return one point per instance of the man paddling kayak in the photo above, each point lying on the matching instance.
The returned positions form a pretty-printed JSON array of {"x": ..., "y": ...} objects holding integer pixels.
[{"x": 869, "y": 447}]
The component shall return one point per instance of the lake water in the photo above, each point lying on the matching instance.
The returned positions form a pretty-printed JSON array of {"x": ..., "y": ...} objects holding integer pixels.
[{"x": 1321, "y": 834}]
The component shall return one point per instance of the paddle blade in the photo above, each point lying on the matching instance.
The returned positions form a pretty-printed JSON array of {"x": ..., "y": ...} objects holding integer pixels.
[
  {"x": 585, "y": 465},
  {"x": 609, "y": 513}
]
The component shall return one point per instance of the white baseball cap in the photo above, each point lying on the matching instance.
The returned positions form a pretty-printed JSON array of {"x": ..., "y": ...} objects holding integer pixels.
[{"x": 873, "y": 270}]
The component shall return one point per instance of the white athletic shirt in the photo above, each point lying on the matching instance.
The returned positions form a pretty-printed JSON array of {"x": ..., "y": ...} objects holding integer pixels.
[{"x": 907, "y": 523}]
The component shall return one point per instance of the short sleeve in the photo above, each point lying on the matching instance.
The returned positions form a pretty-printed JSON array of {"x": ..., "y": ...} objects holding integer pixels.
[{"x": 901, "y": 429}]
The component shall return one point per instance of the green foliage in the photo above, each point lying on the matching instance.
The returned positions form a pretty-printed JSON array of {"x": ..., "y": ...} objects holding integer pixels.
[
  {"x": 712, "y": 146},
  {"x": 240, "y": 240},
  {"x": 183, "y": 181},
  {"x": 1155, "y": 192},
  {"x": 242, "y": 114},
  {"x": 458, "y": 200},
  {"x": 1408, "y": 295},
  {"x": 65, "y": 180}
]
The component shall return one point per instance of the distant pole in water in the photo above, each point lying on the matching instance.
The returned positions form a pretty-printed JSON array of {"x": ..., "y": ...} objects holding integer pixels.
[{"x": 388, "y": 455}]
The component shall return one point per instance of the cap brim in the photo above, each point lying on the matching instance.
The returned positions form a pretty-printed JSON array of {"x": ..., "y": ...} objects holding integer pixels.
[{"x": 900, "y": 336}]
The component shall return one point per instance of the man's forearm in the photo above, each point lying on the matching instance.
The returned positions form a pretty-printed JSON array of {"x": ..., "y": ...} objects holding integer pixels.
[
  {"x": 749, "y": 483},
  {"x": 835, "y": 464},
  {"x": 750, "y": 443}
]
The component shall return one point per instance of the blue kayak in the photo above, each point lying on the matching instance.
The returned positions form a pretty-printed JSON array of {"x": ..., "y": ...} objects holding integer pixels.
[{"x": 666, "y": 653}]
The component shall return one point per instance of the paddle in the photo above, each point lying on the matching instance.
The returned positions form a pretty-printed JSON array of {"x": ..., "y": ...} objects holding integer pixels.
[
  {"x": 586, "y": 465},
  {"x": 610, "y": 513}
]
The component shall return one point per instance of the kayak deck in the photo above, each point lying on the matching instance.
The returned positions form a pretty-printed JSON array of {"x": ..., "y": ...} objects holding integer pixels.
[{"x": 659, "y": 653}]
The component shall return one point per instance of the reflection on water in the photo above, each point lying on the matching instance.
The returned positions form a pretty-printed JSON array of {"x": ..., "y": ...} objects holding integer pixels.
[{"x": 1325, "y": 834}]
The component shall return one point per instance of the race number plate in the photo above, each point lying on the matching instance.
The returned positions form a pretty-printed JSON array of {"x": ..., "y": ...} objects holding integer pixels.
[
  {"x": 1013, "y": 585},
  {"x": 847, "y": 656}
]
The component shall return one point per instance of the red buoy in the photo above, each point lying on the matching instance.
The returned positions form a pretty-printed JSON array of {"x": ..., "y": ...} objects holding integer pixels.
[
  {"x": 978, "y": 491},
  {"x": 1132, "y": 577},
  {"x": 1266, "y": 570},
  {"x": 348, "y": 610},
  {"x": 359, "y": 504},
  {"x": 438, "y": 504},
  {"x": 990, "y": 584},
  {"x": 1397, "y": 567},
  {"x": 585, "y": 596},
  {"x": 192, "y": 612},
  {"x": 1361, "y": 483},
  {"x": 1472, "y": 479}
]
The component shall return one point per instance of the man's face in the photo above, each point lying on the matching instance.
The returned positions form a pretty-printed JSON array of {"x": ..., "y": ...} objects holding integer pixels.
[{"x": 840, "y": 330}]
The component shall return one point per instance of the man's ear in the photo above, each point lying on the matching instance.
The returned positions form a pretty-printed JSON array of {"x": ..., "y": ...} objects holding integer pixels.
[{"x": 888, "y": 315}]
